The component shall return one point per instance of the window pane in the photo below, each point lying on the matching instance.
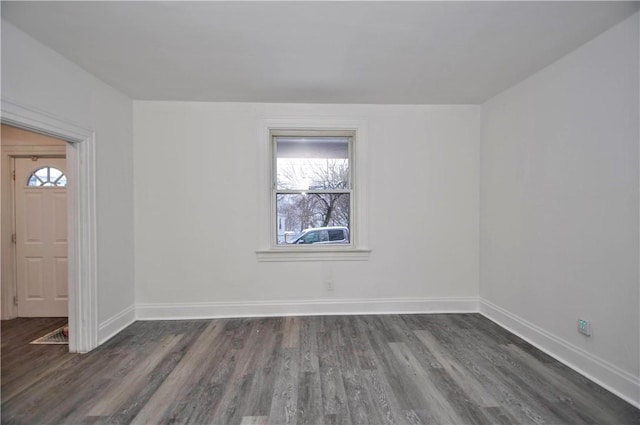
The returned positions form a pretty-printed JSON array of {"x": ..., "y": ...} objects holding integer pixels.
[
  {"x": 298, "y": 212},
  {"x": 336, "y": 234},
  {"x": 54, "y": 173},
  {"x": 62, "y": 181},
  {"x": 312, "y": 163},
  {"x": 43, "y": 174},
  {"x": 47, "y": 177},
  {"x": 33, "y": 181}
]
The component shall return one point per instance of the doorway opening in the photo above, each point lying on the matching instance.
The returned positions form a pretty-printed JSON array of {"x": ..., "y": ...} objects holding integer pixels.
[
  {"x": 34, "y": 210},
  {"x": 79, "y": 150}
]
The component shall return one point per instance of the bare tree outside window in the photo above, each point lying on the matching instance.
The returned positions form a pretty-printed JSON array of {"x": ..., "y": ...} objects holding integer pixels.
[{"x": 313, "y": 187}]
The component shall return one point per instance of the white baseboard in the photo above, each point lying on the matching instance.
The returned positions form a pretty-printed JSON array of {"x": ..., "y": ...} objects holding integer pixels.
[
  {"x": 110, "y": 327},
  {"x": 175, "y": 311},
  {"x": 605, "y": 374}
]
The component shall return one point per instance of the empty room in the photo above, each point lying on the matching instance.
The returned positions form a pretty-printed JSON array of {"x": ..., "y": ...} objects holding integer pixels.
[{"x": 320, "y": 212}]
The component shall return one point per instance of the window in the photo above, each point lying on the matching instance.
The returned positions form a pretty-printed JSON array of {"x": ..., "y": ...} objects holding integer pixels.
[
  {"x": 338, "y": 235},
  {"x": 48, "y": 177},
  {"x": 312, "y": 190},
  {"x": 312, "y": 186}
]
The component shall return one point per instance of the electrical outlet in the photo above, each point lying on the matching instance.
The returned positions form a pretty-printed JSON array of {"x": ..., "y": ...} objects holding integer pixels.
[
  {"x": 584, "y": 327},
  {"x": 329, "y": 285}
]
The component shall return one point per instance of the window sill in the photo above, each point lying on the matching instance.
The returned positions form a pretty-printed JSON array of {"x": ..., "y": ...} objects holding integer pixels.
[{"x": 270, "y": 255}]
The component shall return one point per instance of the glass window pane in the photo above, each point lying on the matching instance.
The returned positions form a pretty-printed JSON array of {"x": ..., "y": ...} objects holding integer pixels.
[
  {"x": 43, "y": 173},
  {"x": 312, "y": 163},
  {"x": 47, "y": 177},
  {"x": 336, "y": 234},
  {"x": 54, "y": 173},
  {"x": 298, "y": 212}
]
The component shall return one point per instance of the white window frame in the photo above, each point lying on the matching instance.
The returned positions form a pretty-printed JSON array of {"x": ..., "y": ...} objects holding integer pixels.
[
  {"x": 274, "y": 134},
  {"x": 357, "y": 249}
]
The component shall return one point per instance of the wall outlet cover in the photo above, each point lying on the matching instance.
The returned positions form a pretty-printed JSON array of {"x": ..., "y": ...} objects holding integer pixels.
[{"x": 584, "y": 327}]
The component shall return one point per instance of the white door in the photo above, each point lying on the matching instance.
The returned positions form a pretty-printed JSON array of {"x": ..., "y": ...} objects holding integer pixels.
[{"x": 41, "y": 236}]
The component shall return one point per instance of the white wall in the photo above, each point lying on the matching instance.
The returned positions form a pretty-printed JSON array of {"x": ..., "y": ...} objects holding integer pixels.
[
  {"x": 197, "y": 211},
  {"x": 36, "y": 77},
  {"x": 559, "y": 208}
]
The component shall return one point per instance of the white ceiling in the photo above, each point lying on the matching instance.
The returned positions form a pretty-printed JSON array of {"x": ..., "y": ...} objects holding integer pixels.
[{"x": 314, "y": 52}]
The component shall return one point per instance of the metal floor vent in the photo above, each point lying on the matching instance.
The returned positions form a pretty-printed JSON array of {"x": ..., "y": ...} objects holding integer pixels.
[{"x": 54, "y": 337}]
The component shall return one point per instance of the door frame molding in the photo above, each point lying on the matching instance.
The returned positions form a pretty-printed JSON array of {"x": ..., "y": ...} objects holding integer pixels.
[{"x": 81, "y": 215}]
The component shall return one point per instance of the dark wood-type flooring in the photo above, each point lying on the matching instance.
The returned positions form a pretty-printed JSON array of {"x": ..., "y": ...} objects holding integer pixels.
[{"x": 397, "y": 369}]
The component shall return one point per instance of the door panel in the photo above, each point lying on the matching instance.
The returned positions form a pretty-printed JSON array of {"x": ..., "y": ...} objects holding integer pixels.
[
  {"x": 33, "y": 277},
  {"x": 41, "y": 239},
  {"x": 33, "y": 210},
  {"x": 60, "y": 218},
  {"x": 60, "y": 273}
]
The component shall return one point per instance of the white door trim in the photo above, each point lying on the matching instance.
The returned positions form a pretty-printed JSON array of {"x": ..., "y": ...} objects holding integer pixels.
[{"x": 81, "y": 207}]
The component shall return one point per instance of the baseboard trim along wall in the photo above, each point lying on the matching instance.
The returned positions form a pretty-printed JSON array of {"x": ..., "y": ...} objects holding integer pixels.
[
  {"x": 112, "y": 326},
  {"x": 605, "y": 374},
  {"x": 176, "y": 311}
]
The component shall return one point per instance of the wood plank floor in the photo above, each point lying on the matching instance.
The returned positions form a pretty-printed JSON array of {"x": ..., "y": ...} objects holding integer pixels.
[{"x": 397, "y": 369}]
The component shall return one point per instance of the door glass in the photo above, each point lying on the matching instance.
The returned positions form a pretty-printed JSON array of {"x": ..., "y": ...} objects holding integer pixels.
[{"x": 47, "y": 177}]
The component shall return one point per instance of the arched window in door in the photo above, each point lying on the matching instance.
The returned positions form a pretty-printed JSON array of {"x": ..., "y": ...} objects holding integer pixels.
[{"x": 47, "y": 176}]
